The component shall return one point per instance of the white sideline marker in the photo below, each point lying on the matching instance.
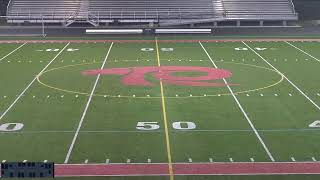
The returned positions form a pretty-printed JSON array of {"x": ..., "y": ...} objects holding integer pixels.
[
  {"x": 211, "y": 160},
  {"x": 86, "y": 108},
  {"x": 12, "y": 51},
  {"x": 242, "y": 110},
  {"x": 314, "y": 159},
  {"x": 30, "y": 84},
  {"x": 107, "y": 161},
  {"x": 293, "y": 159},
  {"x": 302, "y": 51},
  {"x": 190, "y": 160},
  {"x": 251, "y": 159},
  {"x": 297, "y": 88}
]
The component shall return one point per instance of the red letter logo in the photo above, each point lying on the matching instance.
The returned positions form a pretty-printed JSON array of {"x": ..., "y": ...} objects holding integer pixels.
[{"x": 135, "y": 76}]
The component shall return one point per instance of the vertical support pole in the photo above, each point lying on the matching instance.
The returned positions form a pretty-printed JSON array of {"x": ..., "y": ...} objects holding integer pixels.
[
  {"x": 43, "y": 32},
  {"x": 238, "y": 23},
  {"x": 261, "y": 23},
  {"x": 284, "y": 23}
]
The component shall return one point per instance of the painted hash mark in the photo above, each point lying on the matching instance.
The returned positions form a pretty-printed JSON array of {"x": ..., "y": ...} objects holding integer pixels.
[{"x": 74, "y": 170}]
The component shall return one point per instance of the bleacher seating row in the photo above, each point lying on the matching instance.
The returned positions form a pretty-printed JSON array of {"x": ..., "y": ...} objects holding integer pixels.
[{"x": 148, "y": 10}]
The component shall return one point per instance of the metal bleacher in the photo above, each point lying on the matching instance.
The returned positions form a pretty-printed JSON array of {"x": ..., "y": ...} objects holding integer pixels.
[
  {"x": 42, "y": 10},
  {"x": 162, "y": 12},
  {"x": 260, "y": 9}
]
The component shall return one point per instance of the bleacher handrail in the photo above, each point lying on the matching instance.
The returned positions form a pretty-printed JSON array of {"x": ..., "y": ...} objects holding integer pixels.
[
  {"x": 8, "y": 6},
  {"x": 293, "y": 7}
]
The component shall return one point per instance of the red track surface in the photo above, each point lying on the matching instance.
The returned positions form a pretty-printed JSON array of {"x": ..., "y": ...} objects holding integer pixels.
[
  {"x": 186, "y": 169},
  {"x": 148, "y": 41}
]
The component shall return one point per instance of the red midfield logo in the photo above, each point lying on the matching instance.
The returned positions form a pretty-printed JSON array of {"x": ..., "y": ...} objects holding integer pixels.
[{"x": 135, "y": 76}]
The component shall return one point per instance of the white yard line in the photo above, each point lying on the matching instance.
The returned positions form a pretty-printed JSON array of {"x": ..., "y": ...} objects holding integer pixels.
[
  {"x": 86, "y": 108},
  {"x": 297, "y": 88},
  {"x": 30, "y": 84},
  {"x": 302, "y": 51},
  {"x": 13, "y": 51},
  {"x": 241, "y": 108}
]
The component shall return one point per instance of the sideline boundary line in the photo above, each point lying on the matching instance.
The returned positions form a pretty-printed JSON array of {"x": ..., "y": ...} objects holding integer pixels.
[
  {"x": 30, "y": 84},
  {"x": 296, "y": 87},
  {"x": 302, "y": 51},
  {"x": 215, "y": 162},
  {"x": 176, "y": 131},
  {"x": 13, "y": 51},
  {"x": 165, "y": 121},
  {"x": 86, "y": 108},
  {"x": 241, "y": 108},
  {"x": 173, "y": 41}
]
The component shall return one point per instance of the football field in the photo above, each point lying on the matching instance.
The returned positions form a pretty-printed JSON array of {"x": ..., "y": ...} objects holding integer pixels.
[{"x": 155, "y": 102}]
